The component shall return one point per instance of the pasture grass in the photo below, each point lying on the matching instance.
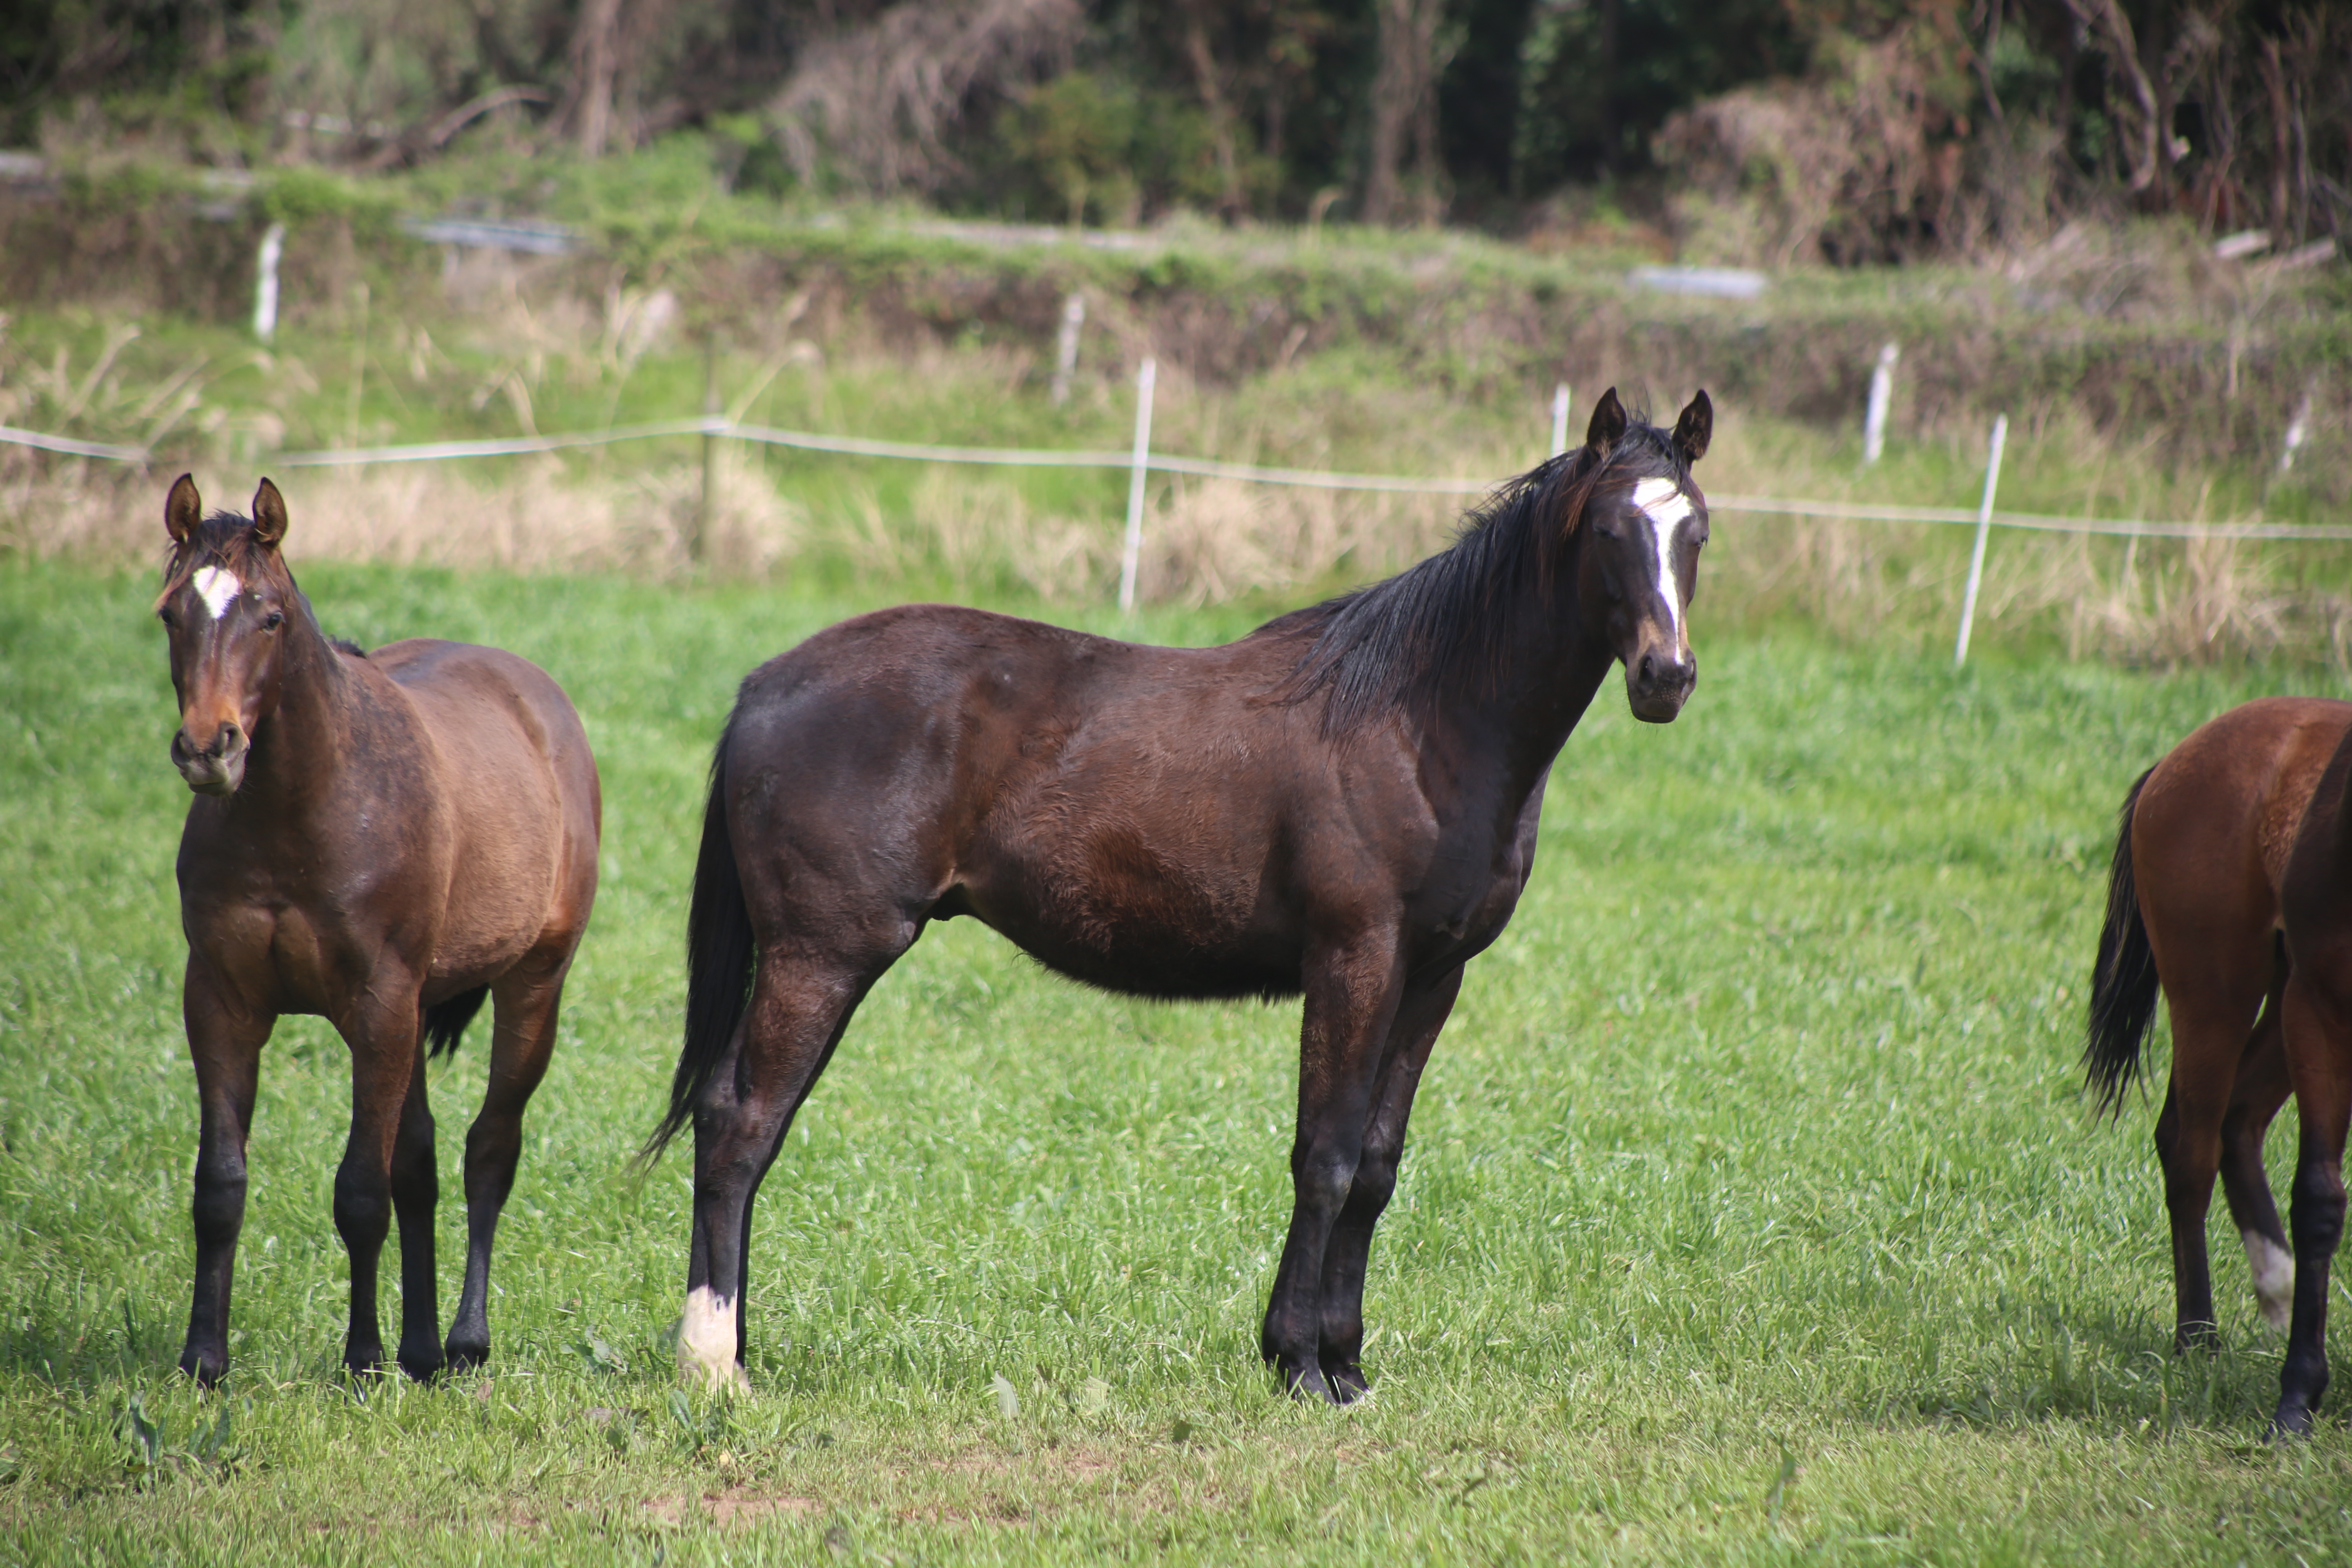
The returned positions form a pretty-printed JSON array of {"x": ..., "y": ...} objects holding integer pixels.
[{"x": 1753, "y": 1211}]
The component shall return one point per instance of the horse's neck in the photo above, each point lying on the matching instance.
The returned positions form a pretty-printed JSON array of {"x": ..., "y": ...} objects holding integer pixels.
[
  {"x": 1555, "y": 665},
  {"x": 298, "y": 747}
]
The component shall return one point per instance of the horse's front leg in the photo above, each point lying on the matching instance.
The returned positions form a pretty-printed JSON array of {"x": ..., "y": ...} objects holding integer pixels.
[
  {"x": 1418, "y": 1017},
  {"x": 1352, "y": 999},
  {"x": 381, "y": 1032},
  {"x": 225, "y": 1042}
]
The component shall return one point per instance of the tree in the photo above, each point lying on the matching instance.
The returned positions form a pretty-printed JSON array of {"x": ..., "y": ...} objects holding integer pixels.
[{"x": 1415, "y": 45}]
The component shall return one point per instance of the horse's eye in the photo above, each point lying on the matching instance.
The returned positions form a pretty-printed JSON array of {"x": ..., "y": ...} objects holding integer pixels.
[
  {"x": 168, "y": 618},
  {"x": 272, "y": 621}
]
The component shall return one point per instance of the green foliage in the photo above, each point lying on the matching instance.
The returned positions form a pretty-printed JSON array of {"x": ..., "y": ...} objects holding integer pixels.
[{"x": 1089, "y": 145}]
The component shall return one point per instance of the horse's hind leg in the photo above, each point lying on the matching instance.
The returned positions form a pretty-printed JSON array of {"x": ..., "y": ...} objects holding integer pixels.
[
  {"x": 526, "y": 1001},
  {"x": 226, "y": 1046},
  {"x": 1348, "y": 1255},
  {"x": 2319, "y": 1055},
  {"x": 800, "y": 1007},
  {"x": 383, "y": 1040},
  {"x": 2211, "y": 1011},
  {"x": 2261, "y": 1088},
  {"x": 415, "y": 1194}
]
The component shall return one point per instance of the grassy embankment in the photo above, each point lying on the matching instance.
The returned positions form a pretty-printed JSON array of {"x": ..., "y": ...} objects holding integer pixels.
[
  {"x": 2141, "y": 379},
  {"x": 1753, "y": 1212}
]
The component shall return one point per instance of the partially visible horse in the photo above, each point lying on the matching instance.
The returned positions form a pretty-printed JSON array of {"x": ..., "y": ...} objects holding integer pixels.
[
  {"x": 1342, "y": 804},
  {"x": 2318, "y": 905},
  {"x": 382, "y": 839},
  {"x": 2197, "y": 908}
]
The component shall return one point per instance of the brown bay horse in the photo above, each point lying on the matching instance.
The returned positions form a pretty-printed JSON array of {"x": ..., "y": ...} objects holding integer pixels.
[
  {"x": 1342, "y": 805},
  {"x": 2198, "y": 908},
  {"x": 383, "y": 840}
]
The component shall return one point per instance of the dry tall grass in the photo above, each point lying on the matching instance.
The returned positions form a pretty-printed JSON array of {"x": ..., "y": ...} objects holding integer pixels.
[
  {"x": 983, "y": 532},
  {"x": 536, "y": 517}
]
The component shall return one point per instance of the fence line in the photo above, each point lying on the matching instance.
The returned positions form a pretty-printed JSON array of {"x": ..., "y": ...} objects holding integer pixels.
[
  {"x": 70, "y": 447},
  {"x": 1168, "y": 463}
]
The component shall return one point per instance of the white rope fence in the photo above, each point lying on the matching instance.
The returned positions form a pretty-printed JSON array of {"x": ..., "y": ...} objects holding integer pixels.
[
  {"x": 1141, "y": 461},
  {"x": 1170, "y": 463}
]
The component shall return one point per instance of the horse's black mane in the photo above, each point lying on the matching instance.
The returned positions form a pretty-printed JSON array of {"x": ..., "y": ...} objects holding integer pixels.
[
  {"x": 1440, "y": 629},
  {"x": 227, "y": 537}
]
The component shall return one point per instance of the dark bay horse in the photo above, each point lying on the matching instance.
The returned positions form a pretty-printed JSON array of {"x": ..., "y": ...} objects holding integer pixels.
[
  {"x": 382, "y": 839},
  {"x": 1342, "y": 804},
  {"x": 2197, "y": 907}
]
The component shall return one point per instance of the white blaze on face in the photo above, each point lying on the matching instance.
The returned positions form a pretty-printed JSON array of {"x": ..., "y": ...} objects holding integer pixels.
[
  {"x": 217, "y": 589},
  {"x": 2273, "y": 1270},
  {"x": 706, "y": 1341},
  {"x": 1664, "y": 503}
]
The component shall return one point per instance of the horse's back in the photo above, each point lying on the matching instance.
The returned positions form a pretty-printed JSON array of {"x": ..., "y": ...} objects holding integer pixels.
[
  {"x": 2215, "y": 823},
  {"x": 510, "y": 762}
]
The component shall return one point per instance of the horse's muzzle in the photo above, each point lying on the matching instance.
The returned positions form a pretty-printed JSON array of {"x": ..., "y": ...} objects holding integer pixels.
[
  {"x": 1658, "y": 684},
  {"x": 214, "y": 769}
]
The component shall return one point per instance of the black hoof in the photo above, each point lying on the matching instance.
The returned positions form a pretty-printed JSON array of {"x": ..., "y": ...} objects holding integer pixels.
[
  {"x": 2190, "y": 1337},
  {"x": 2292, "y": 1424},
  {"x": 207, "y": 1372},
  {"x": 466, "y": 1357},
  {"x": 1346, "y": 1381},
  {"x": 421, "y": 1368},
  {"x": 1307, "y": 1386}
]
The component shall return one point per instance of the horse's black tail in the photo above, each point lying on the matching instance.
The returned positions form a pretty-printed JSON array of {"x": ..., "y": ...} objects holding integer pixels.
[
  {"x": 720, "y": 951},
  {"x": 2123, "y": 981},
  {"x": 445, "y": 1021}
]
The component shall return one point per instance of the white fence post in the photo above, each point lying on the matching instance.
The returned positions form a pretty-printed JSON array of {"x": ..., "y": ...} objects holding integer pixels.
[
  {"x": 1984, "y": 527},
  {"x": 265, "y": 282},
  {"x": 1139, "y": 474},
  {"x": 1559, "y": 419},
  {"x": 706, "y": 503},
  {"x": 1065, "y": 346},
  {"x": 1882, "y": 392},
  {"x": 2298, "y": 427}
]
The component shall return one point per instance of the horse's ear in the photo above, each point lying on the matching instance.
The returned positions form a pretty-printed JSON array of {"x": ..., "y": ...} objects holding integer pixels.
[
  {"x": 183, "y": 508},
  {"x": 1695, "y": 427},
  {"x": 269, "y": 515},
  {"x": 1608, "y": 424}
]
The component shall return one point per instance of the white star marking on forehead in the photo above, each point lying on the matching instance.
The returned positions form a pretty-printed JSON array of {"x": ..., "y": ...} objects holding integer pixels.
[
  {"x": 218, "y": 589},
  {"x": 1664, "y": 503}
]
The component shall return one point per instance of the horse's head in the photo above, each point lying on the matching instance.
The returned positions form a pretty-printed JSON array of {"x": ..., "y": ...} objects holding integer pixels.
[
  {"x": 225, "y": 602},
  {"x": 1646, "y": 522}
]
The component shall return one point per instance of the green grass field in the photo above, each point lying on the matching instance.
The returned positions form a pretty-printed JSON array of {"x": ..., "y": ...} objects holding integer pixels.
[{"x": 1753, "y": 1211}]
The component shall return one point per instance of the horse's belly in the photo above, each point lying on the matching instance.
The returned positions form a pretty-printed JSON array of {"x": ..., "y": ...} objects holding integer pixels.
[
  {"x": 496, "y": 914},
  {"x": 1170, "y": 940},
  {"x": 1176, "y": 970}
]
